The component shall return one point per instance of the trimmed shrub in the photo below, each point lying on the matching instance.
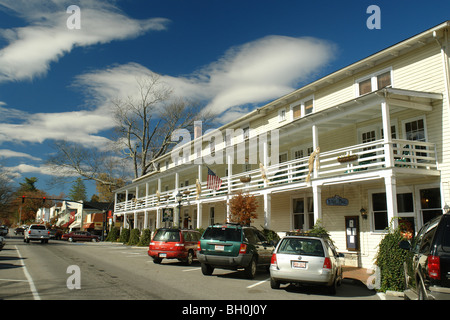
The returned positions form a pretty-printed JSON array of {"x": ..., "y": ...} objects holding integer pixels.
[
  {"x": 134, "y": 237},
  {"x": 144, "y": 241},
  {"x": 124, "y": 235},
  {"x": 113, "y": 235}
]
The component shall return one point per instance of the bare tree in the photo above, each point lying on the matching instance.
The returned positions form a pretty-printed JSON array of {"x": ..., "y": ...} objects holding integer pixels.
[{"x": 144, "y": 123}]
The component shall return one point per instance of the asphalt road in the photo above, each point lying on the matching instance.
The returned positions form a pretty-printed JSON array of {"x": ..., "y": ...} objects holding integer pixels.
[{"x": 105, "y": 271}]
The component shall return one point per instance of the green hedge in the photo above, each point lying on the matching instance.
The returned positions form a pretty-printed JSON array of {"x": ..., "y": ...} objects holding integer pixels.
[
  {"x": 134, "y": 237},
  {"x": 144, "y": 241},
  {"x": 124, "y": 235},
  {"x": 390, "y": 259},
  {"x": 113, "y": 235}
]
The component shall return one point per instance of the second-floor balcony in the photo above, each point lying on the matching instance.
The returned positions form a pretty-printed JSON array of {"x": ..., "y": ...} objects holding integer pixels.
[{"x": 403, "y": 156}]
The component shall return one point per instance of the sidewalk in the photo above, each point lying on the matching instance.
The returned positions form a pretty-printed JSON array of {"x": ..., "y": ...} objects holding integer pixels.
[{"x": 363, "y": 274}]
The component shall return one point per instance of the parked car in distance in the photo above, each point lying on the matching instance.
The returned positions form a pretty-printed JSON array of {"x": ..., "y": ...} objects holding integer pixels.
[
  {"x": 36, "y": 232},
  {"x": 19, "y": 230},
  {"x": 3, "y": 231},
  {"x": 80, "y": 236},
  {"x": 2, "y": 242},
  {"x": 304, "y": 259},
  {"x": 56, "y": 234},
  {"x": 174, "y": 243},
  {"x": 427, "y": 271},
  {"x": 233, "y": 246}
]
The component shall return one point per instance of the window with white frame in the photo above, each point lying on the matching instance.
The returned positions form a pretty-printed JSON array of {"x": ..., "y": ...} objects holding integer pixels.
[
  {"x": 302, "y": 108},
  {"x": 405, "y": 208},
  {"x": 374, "y": 81},
  {"x": 281, "y": 115}
]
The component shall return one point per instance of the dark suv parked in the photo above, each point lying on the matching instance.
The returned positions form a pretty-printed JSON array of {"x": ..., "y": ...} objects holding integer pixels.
[
  {"x": 427, "y": 272},
  {"x": 232, "y": 246}
]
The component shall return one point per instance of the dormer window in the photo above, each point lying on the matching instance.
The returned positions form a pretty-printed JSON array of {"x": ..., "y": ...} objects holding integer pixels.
[
  {"x": 373, "y": 82},
  {"x": 302, "y": 108}
]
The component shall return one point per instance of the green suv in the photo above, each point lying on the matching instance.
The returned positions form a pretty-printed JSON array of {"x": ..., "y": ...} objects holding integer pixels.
[{"x": 233, "y": 246}]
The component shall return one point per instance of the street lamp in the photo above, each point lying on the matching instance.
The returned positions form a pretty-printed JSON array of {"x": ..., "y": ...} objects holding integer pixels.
[{"x": 178, "y": 198}]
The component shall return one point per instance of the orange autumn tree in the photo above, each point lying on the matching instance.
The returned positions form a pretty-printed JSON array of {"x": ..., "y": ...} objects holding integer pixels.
[{"x": 243, "y": 208}]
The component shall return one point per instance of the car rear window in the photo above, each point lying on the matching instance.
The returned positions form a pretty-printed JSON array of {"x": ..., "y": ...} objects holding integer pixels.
[
  {"x": 309, "y": 247},
  {"x": 223, "y": 234},
  {"x": 38, "y": 227},
  {"x": 167, "y": 235}
]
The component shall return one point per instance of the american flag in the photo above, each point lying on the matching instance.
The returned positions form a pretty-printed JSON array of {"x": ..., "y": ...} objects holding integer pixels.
[{"x": 213, "y": 182}]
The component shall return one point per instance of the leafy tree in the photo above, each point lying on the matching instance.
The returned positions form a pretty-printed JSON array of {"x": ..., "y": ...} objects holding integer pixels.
[{"x": 243, "y": 207}]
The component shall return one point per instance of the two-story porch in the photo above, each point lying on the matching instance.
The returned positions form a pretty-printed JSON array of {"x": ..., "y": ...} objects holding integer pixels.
[{"x": 345, "y": 165}]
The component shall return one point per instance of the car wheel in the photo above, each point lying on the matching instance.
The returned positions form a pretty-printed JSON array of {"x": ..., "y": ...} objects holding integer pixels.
[
  {"x": 274, "y": 284},
  {"x": 333, "y": 288},
  {"x": 190, "y": 258},
  {"x": 71, "y": 239},
  {"x": 94, "y": 240},
  {"x": 157, "y": 260},
  {"x": 250, "y": 270},
  {"x": 207, "y": 270}
]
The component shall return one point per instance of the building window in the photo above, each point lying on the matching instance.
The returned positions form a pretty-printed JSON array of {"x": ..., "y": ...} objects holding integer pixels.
[
  {"x": 430, "y": 203},
  {"x": 308, "y": 107},
  {"x": 405, "y": 209},
  {"x": 373, "y": 82},
  {"x": 281, "y": 115},
  {"x": 303, "y": 213},
  {"x": 302, "y": 108},
  {"x": 246, "y": 133}
]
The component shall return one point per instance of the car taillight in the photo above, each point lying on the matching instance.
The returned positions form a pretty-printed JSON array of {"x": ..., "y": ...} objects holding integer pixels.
[
  {"x": 327, "y": 263},
  {"x": 198, "y": 246},
  {"x": 273, "y": 261},
  {"x": 434, "y": 267},
  {"x": 243, "y": 248},
  {"x": 49, "y": 233},
  {"x": 29, "y": 231}
]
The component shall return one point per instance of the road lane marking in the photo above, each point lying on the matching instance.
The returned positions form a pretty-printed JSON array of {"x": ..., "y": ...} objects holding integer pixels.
[
  {"x": 14, "y": 280},
  {"x": 28, "y": 276},
  {"x": 258, "y": 283},
  {"x": 194, "y": 269}
]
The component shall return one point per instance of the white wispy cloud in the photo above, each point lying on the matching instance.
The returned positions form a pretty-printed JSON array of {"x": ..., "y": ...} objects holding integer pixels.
[
  {"x": 32, "y": 49},
  {"x": 5, "y": 153},
  {"x": 252, "y": 73}
]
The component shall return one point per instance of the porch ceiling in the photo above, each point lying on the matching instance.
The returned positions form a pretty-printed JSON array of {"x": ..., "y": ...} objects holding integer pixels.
[{"x": 361, "y": 109}]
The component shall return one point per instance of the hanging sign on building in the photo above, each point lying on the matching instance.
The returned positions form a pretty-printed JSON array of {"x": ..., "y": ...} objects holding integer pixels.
[{"x": 337, "y": 201}]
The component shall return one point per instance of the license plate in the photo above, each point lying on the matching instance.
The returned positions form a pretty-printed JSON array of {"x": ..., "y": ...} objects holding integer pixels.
[
  {"x": 219, "y": 248},
  {"x": 163, "y": 255},
  {"x": 299, "y": 264}
]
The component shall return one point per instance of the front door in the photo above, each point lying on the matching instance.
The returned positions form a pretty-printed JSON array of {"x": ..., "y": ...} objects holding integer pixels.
[{"x": 352, "y": 233}]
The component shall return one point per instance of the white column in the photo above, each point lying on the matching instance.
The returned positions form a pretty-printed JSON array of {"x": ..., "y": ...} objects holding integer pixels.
[
  {"x": 145, "y": 219},
  {"x": 267, "y": 210},
  {"x": 391, "y": 200},
  {"x": 199, "y": 214},
  {"x": 315, "y": 136},
  {"x": 125, "y": 222},
  {"x": 158, "y": 218},
  {"x": 135, "y": 220},
  {"x": 317, "y": 200},
  {"x": 386, "y": 118}
]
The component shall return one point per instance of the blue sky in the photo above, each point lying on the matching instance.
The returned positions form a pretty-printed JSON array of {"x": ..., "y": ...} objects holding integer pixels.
[{"x": 231, "y": 55}]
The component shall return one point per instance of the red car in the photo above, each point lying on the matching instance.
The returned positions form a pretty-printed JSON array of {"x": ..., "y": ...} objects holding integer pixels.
[
  {"x": 172, "y": 243},
  {"x": 80, "y": 236}
]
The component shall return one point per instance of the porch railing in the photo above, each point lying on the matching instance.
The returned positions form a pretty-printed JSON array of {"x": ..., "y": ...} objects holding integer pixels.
[{"x": 344, "y": 161}]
